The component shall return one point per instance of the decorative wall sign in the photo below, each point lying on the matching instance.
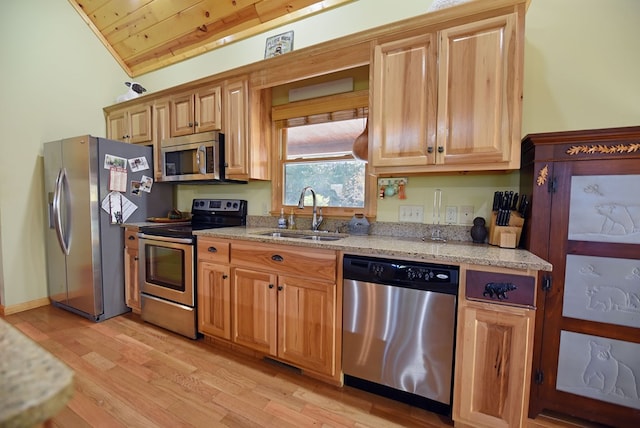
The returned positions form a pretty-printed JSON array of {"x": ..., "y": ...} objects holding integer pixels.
[{"x": 278, "y": 45}]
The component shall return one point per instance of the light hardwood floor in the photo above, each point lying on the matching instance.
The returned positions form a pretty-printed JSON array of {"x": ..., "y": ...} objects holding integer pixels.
[{"x": 133, "y": 374}]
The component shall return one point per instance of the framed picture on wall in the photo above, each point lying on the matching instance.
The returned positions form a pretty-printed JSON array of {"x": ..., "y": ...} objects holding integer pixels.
[{"x": 278, "y": 45}]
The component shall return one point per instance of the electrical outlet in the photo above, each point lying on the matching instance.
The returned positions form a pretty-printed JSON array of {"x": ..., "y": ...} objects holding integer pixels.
[
  {"x": 466, "y": 214},
  {"x": 451, "y": 215},
  {"x": 411, "y": 213}
]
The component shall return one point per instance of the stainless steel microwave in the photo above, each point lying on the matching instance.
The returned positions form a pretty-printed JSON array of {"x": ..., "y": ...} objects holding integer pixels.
[{"x": 194, "y": 157}]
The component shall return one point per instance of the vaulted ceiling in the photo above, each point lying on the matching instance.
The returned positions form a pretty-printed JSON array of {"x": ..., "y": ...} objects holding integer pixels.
[{"x": 145, "y": 35}]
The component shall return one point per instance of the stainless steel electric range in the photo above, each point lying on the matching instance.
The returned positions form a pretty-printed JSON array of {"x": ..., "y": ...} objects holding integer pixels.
[{"x": 167, "y": 263}]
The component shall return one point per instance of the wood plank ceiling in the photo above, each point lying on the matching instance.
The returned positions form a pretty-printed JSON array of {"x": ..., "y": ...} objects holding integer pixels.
[{"x": 145, "y": 35}]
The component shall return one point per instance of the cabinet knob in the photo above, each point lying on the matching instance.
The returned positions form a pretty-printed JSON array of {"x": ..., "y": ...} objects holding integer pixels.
[
  {"x": 280, "y": 287},
  {"x": 440, "y": 149},
  {"x": 429, "y": 149},
  {"x": 277, "y": 258},
  {"x": 135, "y": 258},
  {"x": 197, "y": 123},
  {"x": 270, "y": 285},
  {"x": 212, "y": 249},
  {"x": 225, "y": 276},
  {"x": 131, "y": 238},
  {"x": 190, "y": 124}
]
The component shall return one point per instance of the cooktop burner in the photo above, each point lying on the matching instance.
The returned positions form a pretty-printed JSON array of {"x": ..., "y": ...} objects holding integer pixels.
[{"x": 205, "y": 214}]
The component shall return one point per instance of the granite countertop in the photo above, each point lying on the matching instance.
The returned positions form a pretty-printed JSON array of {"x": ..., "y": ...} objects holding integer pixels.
[
  {"x": 34, "y": 385},
  {"x": 454, "y": 252}
]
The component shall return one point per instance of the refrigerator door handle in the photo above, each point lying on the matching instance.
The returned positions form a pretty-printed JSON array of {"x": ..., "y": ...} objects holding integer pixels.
[
  {"x": 62, "y": 240},
  {"x": 202, "y": 165}
]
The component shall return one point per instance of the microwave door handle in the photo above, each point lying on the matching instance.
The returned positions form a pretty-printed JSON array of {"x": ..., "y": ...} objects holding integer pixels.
[{"x": 201, "y": 161}]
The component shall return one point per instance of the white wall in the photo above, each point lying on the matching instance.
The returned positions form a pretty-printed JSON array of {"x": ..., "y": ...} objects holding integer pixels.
[{"x": 581, "y": 63}]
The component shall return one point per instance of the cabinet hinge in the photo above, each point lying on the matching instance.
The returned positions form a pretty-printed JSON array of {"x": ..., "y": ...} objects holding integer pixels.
[
  {"x": 539, "y": 378},
  {"x": 546, "y": 283},
  {"x": 553, "y": 185}
]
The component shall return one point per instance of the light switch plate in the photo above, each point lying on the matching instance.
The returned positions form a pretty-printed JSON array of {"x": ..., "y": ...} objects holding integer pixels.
[
  {"x": 451, "y": 215},
  {"x": 411, "y": 213}
]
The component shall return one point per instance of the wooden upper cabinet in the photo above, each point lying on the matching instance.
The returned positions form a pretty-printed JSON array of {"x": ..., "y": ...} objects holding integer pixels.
[
  {"x": 161, "y": 123},
  {"x": 131, "y": 124},
  {"x": 196, "y": 111},
  {"x": 479, "y": 93},
  {"x": 404, "y": 102},
  {"x": 236, "y": 128},
  {"x": 451, "y": 100}
]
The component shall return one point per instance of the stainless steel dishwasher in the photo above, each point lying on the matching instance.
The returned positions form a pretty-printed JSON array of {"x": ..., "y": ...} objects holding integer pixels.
[{"x": 399, "y": 321}]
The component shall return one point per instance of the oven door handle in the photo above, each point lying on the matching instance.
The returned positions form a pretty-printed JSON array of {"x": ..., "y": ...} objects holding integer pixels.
[{"x": 165, "y": 239}]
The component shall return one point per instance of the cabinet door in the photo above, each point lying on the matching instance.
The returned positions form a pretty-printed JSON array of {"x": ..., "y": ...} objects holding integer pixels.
[
  {"x": 493, "y": 365},
  {"x": 404, "y": 102},
  {"x": 117, "y": 126},
  {"x": 236, "y": 128},
  {"x": 140, "y": 130},
  {"x": 182, "y": 114},
  {"x": 208, "y": 112},
  {"x": 161, "y": 123},
  {"x": 479, "y": 92},
  {"x": 254, "y": 313},
  {"x": 131, "y": 284},
  {"x": 588, "y": 346},
  {"x": 214, "y": 300},
  {"x": 306, "y": 323}
]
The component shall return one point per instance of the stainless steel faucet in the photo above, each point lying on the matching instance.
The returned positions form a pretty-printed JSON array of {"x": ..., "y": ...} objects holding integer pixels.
[{"x": 315, "y": 221}]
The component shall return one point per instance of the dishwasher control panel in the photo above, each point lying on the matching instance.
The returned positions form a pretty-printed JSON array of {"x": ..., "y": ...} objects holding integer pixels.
[{"x": 443, "y": 278}]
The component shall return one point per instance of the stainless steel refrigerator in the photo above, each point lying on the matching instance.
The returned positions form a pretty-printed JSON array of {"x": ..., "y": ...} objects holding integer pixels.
[{"x": 91, "y": 185}]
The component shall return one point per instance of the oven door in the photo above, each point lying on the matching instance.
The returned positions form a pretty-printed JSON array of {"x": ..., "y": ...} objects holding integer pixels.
[{"x": 166, "y": 267}]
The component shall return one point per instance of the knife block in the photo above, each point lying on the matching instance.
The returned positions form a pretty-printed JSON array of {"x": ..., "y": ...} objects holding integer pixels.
[{"x": 506, "y": 236}]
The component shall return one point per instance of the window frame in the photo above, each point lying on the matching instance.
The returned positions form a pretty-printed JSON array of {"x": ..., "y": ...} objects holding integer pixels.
[{"x": 327, "y": 104}]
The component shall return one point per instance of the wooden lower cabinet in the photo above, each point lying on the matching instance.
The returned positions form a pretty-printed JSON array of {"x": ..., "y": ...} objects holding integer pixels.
[
  {"x": 493, "y": 379},
  {"x": 254, "y": 310},
  {"x": 131, "y": 284},
  {"x": 306, "y": 323},
  {"x": 280, "y": 301},
  {"x": 493, "y": 355},
  {"x": 214, "y": 288},
  {"x": 214, "y": 299}
]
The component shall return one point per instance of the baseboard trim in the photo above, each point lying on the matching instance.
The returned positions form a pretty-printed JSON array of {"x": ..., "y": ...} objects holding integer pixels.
[{"x": 25, "y": 306}]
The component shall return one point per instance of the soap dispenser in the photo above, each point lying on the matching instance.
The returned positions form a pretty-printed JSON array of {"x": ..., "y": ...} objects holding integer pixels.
[
  {"x": 292, "y": 220},
  {"x": 282, "y": 222}
]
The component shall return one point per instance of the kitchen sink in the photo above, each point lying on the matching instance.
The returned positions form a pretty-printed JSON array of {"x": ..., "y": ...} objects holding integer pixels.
[
  {"x": 321, "y": 237},
  {"x": 281, "y": 234},
  {"x": 311, "y": 236}
]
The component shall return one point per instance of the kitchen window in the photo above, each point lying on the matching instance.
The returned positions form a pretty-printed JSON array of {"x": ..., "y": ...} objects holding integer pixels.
[{"x": 315, "y": 139}]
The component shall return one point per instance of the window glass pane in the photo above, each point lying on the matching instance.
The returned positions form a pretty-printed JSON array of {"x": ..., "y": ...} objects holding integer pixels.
[
  {"x": 336, "y": 183},
  {"x": 325, "y": 139}
]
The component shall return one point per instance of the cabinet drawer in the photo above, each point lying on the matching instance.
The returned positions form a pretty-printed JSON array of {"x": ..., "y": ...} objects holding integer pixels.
[
  {"x": 213, "y": 250},
  {"x": 305, "y": 262},
  {"x": 503, "y": 288},
  {"x": 131, "y": 238}
]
